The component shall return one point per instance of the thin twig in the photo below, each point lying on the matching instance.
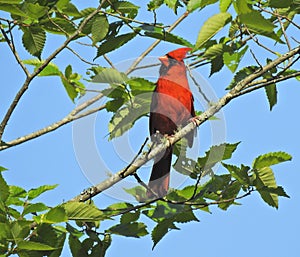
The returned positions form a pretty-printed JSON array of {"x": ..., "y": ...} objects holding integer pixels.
[
  {"x": 30, "y": 77},
  {"x": 155, "y": 43},
  {"x": 73, "y": 115},
  {"x": 82, "y": 59}
]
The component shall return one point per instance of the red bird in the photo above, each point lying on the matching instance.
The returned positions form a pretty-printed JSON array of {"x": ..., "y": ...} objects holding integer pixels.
[{"x": 172, "y": 106}]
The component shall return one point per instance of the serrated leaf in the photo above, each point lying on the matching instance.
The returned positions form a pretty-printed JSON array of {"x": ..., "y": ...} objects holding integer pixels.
[
  {"x": 241, "y": 174},
  {"x": 82, "y": 211},
  {"x": 211, "y": 27},
  {"x": 169, "y": 37},
  {"x": 271, "y": 92},
  {"x": 195, "y": 4},
  {"x": 265, "y": 179},
  {"x": 34, "y": 10},
  {"x": 154, "y": 4},
  {"x": 55, "y": 215},
  {"x": 125, "y": 118},
  {"x": 270, "y": 159},
  {"x": 216, "y": 154},
  {"x": 125, "y": 7},
  {"x": 70, "y": 88},
  {"x": 34, "y": 39},
  {"x": 109, "y": 76},
  {"x": 257, "y": 24},
  {"x": 50, "y": 70},
  {"x": 140, "y": 85},
  {"x": 161, "y": 229},
  {"x": 241, "y": 74},
  {"x": 224, "y": 5},
  {"x": 232, "y": 60},
  {"x": 34, "y": 246},
  {"x": 12, "y": 9},
  {"x": 35, "y": 192},
  {"x": 58, "y": 25},
  {"x": 4, "y": 188},
  {"x": 138, "y": 192},
  {"x": 34, "y": 208},
  {"x": 129, "y": 217},
  {"x": 230, "y": 192},
  {"x": 99, "y": 28},
  {"x": 114, "y": 43},
  {"x": 216, "y": 65},
  {"x": 134, "y": 229}
]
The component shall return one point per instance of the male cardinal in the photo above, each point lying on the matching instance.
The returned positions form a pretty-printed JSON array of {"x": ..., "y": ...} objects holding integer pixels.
[{"x": 171, "y": 106}]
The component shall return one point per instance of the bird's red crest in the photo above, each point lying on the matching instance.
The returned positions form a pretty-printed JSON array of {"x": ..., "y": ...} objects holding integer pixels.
[{"x": 180, "y": 53}]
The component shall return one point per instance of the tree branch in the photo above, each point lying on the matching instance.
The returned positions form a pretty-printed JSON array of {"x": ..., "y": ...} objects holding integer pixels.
[
  {"x": 156, "y": 42},
  {"x": 73, "y": 115},
  {"x": 30, "y": 77},
  {"x": 160, "y": 148}
]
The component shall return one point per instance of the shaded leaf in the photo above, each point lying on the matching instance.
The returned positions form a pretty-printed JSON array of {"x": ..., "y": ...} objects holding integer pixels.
[
  {"x": 230, "y": 192},
  {"x": 34, "y": 246},
  {"x": 211, "y": 27},
  {"x": 232, "y": 60},
  {"x": 4, "y": 188},
  {"x": 161, "y": 229},
  {"x": 134, "y": 229},
  {"x": 242, "y": 74},
  {"x": 99, "y": 28},
  {"x": 58, "y": 25},
  {"x": 34, "y": 208},
  {"x": 271, "y": 92},
  {"x": 114, "y": 43},
  {"x": 55, "y": 215},
  {"x": 279, "y": 3},
  {"x": 241, "y": 174},
  {"x": 34, "y": 39}
]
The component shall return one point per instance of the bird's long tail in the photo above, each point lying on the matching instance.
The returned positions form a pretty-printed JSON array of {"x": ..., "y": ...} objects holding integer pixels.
[{"x": 160, "y": 176}]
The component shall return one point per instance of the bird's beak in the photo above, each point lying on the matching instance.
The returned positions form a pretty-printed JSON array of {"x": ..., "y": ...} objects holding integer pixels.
[{"x": 164, "y": 60}]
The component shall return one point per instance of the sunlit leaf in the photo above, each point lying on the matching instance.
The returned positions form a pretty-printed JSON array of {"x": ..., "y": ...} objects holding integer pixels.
[
  {"x": 270, "y": 159},
  {"x": 35, "y": 192},
  {"x": 211, "y": 27},
  {"x": 34, "y": 39},
  {"x": 134, "y": 229}
]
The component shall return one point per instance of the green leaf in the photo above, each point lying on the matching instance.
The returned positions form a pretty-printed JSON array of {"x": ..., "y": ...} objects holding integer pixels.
[
  {"x": 138, "y": 192},
  {"x": 134, "y": 229},
  {"x": 109, "y": 76},
  {"x": 35, "y": 192},
  {"x": 257, "y": 24},
  {"x": 125, "y": 118},
  {"x": 2, "y": 169},
  {"x": 242, "y": 6},
  {"x": 99, "y": 28},
  {"x": 241, "y": 74},
  {"x": 58, "y": 25},
  {"x": 140, "y": 85},
  {"x": 224, "y": 5},
  {"x": 173, "y": 4},
  {"x": 114, "y": 43},
  {"x": 230, "y": 192},
  {"x": 161, "y": 229},
  {"x": 232, "y": 60},
  {"x": 154, "y": 4},
  {"x": 265, "y": 179},
  {"x": 34, "y": 39},
  {"x": 12, "y": 9},
  {"x": 83, "y": 212},
  {"x": 270, "y": 159},
  {"x": 125, "y": 7},
  {"x": 216, "y": 65},
  {"x": 279, "y": 3},
  {"x": 34, "y": 208},
  {"x": 55, "y": 215},
  {"x": 169, "y": 37},
  {"x": 211, "y": 27},
  {"x": 195, "y": 4},
  {"x": 35, "y": 246},
  {"x": 50, "y": 70},
  {"x": 240, "y": 174},
  {"x": 70, "y": 88},
  {"x": 130, "y": 217},
  {"x": 35, "y": 11},
  {"x": 216, "y": 154},
  {"x": 271, "y": 92},
  {"x": 10, "y": 1},
  {"x": 4, "y": 188}
]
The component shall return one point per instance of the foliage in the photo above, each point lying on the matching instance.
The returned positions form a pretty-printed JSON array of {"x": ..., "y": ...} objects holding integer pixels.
[{"x": 240, "y": 27}]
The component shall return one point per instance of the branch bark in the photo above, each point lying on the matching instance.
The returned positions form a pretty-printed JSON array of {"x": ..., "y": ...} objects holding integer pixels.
[{"x": 160, "y": 148}]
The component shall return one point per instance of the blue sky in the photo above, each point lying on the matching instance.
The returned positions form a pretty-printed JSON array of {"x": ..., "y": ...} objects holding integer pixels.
[{"x": 252, "y": 229}]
